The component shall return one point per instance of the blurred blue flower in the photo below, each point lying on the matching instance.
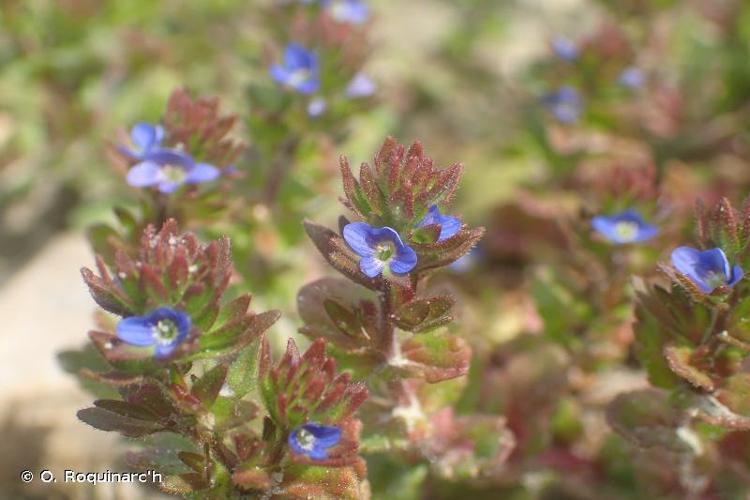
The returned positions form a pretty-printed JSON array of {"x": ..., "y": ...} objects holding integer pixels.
[
  {"x": 449, "y": 226},
  {"x": 347, "y": 11},
  {"x": 360, "y": 86},
  {"x": 631, "y": 78},
  {"x": 316, "y": 107},
  {"x": 146, "y": 138},
  {"x": 708, "y": 269},
  {"x": 565, "y": 49},
  {"x": 625, "y": 227},
  {"x": 565, "y": 104},
  {"x": 300, "y": 70},
  {"x": 379, "y": 246},
  {"x": 314, "y": 440},
  {"x": 168, "y": 169},
  {"x": 164, "y": 327}
]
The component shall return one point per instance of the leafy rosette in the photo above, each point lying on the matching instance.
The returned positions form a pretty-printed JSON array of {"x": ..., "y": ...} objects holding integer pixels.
[
  {"x": 303, "y": 388},
  {"x": 348, "y": 317},
  {"x": 169, "y": 295},
  {"x": 402, "y": 231},
  {"x": 692, "y": 337},
  {"x": 403, "y": 190}
]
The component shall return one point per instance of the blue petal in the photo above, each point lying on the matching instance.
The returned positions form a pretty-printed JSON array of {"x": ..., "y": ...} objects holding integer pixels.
[
  {"x": 449, "y": 226},
  {"x": 688, "y": 262},
  {"x": 202, "y": 172},
  {"x": 371, "y": 266},
  {"x": 404, "y": 261},
  {"x": 349, "y": 11},
  {"x": 358, "y": 235},
  {"x": 360, "y": 86},
  {"x": 737, "y": 274},
  {"x": 136, "y": 330},
  {"x": 565, "y": 49},
  {"x": 714, "y": 260},
  {"x": 316, "y": 107},
  {"x": 326, "y": 436},
  {"x": 631, "y": 78},
  {"x": 279, "y": 74},
  {"x": 297, "y": 57},
  {"x": 144, "y": 136},
  {"x": 171, "y": 157},
  {"x": 144, "y": 174},
  {"x": 646, "y": 232},
  {"x": 169, "y": 187},
  {"x": 309, "y": 86}
]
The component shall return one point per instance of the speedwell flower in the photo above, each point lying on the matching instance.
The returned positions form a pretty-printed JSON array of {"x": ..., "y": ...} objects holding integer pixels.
[
  {"x": 565, "y": 104},
  {"x": 314, "y": 440},
  {"x": 168, "y": 169},
  {"x": 316, "y": 107},
  {"x": 565, "y": 49},
  {"x": 146, "y": 138},
  {"x": 631, "y": 78},
  {"x": 708, "y": 269},
  {"x": 625, "y": 227},
  {"x": 347, "y": 11},
  {"x": 379, "y": 246},
  {"x": 449, "y": 226},
  {"x": 163, "y": 328},
  {"x": 300, "y": 70},
  {"x": 360, "y": 86}
]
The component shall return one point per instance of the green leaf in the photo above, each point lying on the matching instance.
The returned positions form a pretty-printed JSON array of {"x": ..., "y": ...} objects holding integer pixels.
[{"x": 207, "y": 388}]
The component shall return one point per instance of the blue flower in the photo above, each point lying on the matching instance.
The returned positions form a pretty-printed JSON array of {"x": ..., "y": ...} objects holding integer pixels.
[
  {"x": 449, "y": 226},
  {"x": 565, "y": 49},
  {"x": 708, "y": 269},
  {"x": 565, "y": 104},
  {"x": 347, "y": 11},
  {"x": 168, "y": 169},
  {"x": 300, "y": 70},
  {"x": 379, "y": 246},
  {"x": 164, "y": 327},
  {"x": 314, "y": 440},
  {"x": 625, "y": 227},
  {"x": 360, "y": 86},
  {"x": 146, "y": 138},
  {"x": 316, "y": 107},
  {"x": 631, "y": 78}
]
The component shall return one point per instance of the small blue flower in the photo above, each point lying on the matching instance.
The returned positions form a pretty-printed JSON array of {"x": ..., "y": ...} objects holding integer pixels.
[
  {"x": 300, "y": 70},
  {"x": 708, "y": 269},
  {"x": 164, "y": 327},
  {"x": 314, "y": 440},
  {"x": 316, "y": 107},
  {"x": 565, "y": 104},
  {"x": 449, "y": 226},
  {"x": 625, "y": 227},
  {"x": 360, "y": 86},
  {"x": 146, "y": 138},
  {"x": 347, "y": 11},
  {"x": 379, "y": 246},
  {"x": 168, "y": 169},
  {"x": 565, "y": 49},
  {"x": 631, "y": 78}
]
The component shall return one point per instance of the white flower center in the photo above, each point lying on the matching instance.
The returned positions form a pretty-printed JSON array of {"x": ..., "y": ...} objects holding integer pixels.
[
  {"x": 305, "y": 439},
  {"x": 173, "y": 173},
  {"x": 165, "y": 331},
  {"x": 384, "y": 250},
  {"x": 626, "y": 230},
  {"x": 299, "y": 77}
]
